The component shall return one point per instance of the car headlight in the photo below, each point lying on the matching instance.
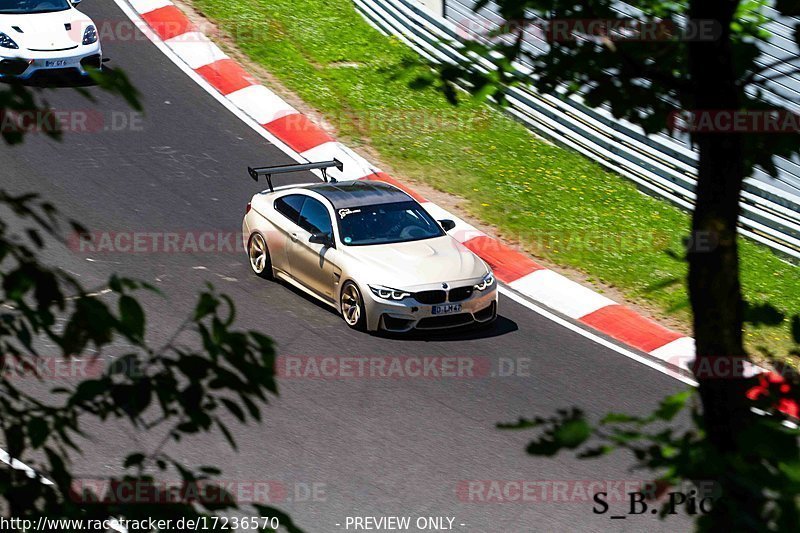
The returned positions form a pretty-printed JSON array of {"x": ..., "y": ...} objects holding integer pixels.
[
  {"x": 485, "y": 283},
  {"x": 7, "y": 42},
  {"x": 90, "y": 35},
  {"x": 388, "y": 293}
]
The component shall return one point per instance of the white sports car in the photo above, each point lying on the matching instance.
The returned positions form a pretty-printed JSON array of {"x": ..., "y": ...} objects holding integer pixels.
[
  {"x": 370, "y": 251},
  {"x": 38, "y": 35}
]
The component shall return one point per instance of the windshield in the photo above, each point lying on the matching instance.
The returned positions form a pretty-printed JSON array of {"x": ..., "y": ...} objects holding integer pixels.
[
  {"x": 18, "y": 7},
  {"x": 386, "y": 224}
]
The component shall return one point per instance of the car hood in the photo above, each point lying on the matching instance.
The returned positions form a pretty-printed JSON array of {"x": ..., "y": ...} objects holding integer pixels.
[
  {"x": 412, "y": 264},
  {"x": 45, "y": 31}
]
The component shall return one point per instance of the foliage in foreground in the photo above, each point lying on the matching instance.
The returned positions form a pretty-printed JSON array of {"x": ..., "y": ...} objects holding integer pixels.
[
  {"x": 207, "y": 369},
  {"x": 758, "y": 487}
]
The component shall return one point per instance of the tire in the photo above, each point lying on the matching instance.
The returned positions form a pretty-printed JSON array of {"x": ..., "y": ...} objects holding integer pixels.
[
  {"x": 352, "y": 306},
  {"x": 258, "y": 256}
]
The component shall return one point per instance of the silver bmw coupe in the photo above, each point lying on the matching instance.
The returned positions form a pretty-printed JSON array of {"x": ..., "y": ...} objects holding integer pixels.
[{"x": 370, "y": 251}]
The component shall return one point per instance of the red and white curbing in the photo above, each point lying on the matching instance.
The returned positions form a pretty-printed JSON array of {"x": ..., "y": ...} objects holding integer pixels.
[{"x": 169, "y": 24}]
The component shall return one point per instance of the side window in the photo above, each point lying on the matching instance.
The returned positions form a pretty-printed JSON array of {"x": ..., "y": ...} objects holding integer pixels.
[
  {"x": 290, "y": 206},
  {"x": 314, "y": 217}
]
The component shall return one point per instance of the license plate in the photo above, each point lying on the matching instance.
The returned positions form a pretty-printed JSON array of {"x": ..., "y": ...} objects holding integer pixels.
[
  {"x": 54, "y": 63},
  {"x": 446, "y": 309}
]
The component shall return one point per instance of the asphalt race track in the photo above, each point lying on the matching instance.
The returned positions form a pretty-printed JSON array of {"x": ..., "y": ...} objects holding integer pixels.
[{"x": 369, "y": 446}]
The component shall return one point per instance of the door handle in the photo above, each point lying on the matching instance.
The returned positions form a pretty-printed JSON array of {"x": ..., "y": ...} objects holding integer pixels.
[{"x": 294, "y": 237}]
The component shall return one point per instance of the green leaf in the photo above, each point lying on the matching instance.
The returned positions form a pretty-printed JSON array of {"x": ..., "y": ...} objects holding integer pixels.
[
  {"x": 593, "y": 453},
  {"x": 114, "y": 284},
  {"x": 132, "y": 317},
  {"x": 207, "y": 305},
  {"x": 624, "y": 437},
  {"x": 187, "y": 427},
  {"x": 522, "y": 423},
  {"x": 134, "y": 459},
  {"x": 117, "y": 82},
  {"x": 252, "y": 408},
  {"x": 791, "y": 470},
  {"x": 619, "y": 418},
  {"x": 672, "y": 405},
  {"x": 133, "y": 399},
  {"x": 234, "y": 408},
  {"x": 227, "y": 434},
  {"x": 58, "y": 470},
  {"x": 88, "y": 390},
  {"x": 38, "y": 431},
  {"x": 572, "y": 433}
]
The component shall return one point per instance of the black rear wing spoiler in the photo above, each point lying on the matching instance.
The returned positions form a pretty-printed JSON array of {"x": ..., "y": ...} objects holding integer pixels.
[{"x": 285, "y": 169}]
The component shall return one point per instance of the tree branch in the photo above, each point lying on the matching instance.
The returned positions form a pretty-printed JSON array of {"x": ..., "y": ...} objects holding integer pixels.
[
  {"x": 751, "y": 77},
  {"x": 676, "y": 84},
  {"x": 777, "y": 76}
]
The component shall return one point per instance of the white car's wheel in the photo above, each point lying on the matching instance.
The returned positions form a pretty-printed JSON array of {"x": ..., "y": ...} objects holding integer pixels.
[
  {"x": 258, "y": 253},
  {"x": 353, "y": 307}
]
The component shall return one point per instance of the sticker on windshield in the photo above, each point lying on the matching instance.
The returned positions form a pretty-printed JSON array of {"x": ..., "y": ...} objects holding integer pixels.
[
  {"x": 344, "y": 212},
  {"x": 348, "y": 240}
]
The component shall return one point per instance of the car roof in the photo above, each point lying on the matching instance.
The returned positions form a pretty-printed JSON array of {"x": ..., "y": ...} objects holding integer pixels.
[{"x": 359, "y": 193}]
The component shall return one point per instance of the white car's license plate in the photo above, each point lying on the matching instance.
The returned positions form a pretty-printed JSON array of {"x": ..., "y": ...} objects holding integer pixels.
[
  {"x": 55, "y": 63},
  {"x": 446, "y": 309}
]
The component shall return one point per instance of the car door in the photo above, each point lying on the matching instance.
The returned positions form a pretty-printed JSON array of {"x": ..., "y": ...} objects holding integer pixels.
[
  {"x": 314, "y": 265},
  {"x": 286, "y": 222}
]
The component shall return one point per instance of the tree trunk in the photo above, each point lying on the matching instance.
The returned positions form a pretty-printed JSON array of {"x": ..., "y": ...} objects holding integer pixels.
[{"x": 714, "y": 287}]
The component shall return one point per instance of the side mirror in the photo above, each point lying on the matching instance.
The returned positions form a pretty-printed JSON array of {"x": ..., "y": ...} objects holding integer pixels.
[
  {"x": 447, "y": 224},
  {"x": 75, "y": 2},
  {"x": 322, "y": 238}
]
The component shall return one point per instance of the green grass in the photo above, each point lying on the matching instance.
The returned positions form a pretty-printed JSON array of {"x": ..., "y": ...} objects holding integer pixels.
[{"x": 556, "y": 203}]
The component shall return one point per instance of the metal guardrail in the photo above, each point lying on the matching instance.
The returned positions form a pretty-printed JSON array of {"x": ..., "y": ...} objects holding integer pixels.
[
  {"x": 657, "y": 164},
  {"x": 780, "y": 90}
]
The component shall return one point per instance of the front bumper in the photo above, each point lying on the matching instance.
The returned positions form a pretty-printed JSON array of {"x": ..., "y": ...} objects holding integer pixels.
[
  {"x": 23, "y": 64},
  {"x": 409, "y": 314}
]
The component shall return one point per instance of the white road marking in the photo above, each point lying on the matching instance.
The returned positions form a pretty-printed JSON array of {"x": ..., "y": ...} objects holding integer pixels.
[
  {"x": 146, "y": 6},
  {"x": 19, "y": 465},
  {"x": 196, "y": 49},
  {"x": 596, "y": 338},
  {"x": 261, "y": 104},
  {"x": 559, "y": 293}
]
